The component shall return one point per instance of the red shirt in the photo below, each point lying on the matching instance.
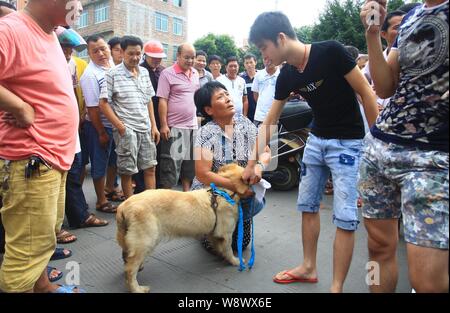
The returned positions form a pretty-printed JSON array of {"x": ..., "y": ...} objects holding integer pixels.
[{"x": 33, "y": 67}]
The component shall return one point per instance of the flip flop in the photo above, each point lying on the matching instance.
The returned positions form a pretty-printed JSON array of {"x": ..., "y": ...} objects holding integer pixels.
[
  {"x": 68, "y": 289},
  {"x": 49, "y": 271},
  {"x": 294, "y": 279},
  {"x": 59, "y": 254}
]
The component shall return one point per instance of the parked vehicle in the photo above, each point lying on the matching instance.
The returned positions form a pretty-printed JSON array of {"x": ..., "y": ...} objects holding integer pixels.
[{"x": 292, "y": 134}]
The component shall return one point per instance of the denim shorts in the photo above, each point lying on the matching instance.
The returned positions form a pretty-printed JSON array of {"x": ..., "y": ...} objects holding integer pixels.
[
  {"x": 341, "y": 158},
  {"x": 396, "y": 181},
  {"x": 99, "y": 156}
]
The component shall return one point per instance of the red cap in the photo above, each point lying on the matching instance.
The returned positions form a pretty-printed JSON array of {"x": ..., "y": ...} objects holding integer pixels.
[{"x": 154, "y": 49}]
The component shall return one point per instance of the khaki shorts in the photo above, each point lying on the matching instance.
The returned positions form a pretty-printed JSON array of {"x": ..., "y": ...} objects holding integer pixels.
[
  {"x": 32, "y": 213},
  {"x": 135, "y": 151},
  {"x": 177, "y": 159}
]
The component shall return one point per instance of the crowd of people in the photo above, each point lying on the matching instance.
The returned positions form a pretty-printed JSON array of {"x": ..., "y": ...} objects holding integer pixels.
[{"x": 380, "y": 130}]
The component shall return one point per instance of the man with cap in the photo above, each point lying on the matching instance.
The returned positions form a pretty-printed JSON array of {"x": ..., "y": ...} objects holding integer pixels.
[{"x": 153, "y": 55}]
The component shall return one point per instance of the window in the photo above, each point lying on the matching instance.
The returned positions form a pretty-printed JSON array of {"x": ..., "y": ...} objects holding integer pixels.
[
  {"x": 177, "y": 26},
  {"x": 174, "y": 53},
  {"x": 161, "y": 22},
  {"x": 101, "y": 12},
  {"x": 166, "y": 48},
  {"x": 83, "y": 20},
  {"x": 177, "y": 3}
]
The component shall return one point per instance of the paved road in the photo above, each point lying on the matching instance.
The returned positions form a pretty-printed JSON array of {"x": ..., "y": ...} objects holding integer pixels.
[{"x": 182, "y": 265}]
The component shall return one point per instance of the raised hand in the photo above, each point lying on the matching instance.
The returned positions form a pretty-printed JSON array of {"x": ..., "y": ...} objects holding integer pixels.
[{"x": 373, "y": 14}]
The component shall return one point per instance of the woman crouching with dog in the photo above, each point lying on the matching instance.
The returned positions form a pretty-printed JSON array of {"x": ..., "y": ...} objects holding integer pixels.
[{"x": 226, "y": 138}]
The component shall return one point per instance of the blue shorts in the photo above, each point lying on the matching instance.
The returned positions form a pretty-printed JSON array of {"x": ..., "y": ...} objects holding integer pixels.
[
  {"x": 99, "y": 156},
  {"x": 341, "y": 157}
]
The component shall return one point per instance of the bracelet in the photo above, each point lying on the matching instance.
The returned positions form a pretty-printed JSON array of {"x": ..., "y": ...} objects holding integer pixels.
[{"x": 263, "y": 167}]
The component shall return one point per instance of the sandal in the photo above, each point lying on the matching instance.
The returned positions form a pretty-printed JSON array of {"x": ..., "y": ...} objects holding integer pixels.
[
  {"x": 65, "y": 237},
  {"x": 115, "y": 196},
  {"x": 61, "y": 253},
  {"x": 94, "y": 221},
  {"x": 53, "y": 270},
  {"x": 68, "y": 289},
  {"x": 107, "y": 207}
]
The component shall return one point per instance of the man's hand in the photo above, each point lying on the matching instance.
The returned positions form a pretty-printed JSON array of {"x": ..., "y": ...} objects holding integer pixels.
[
  {"x": 165, "y": 132},
  {"x": 122, "y": 129},
  {"x": 156, "y": 136},
  {"x": 103, "y": 138},
  {"x": 250, "y": 175},
  {"x": 372, "y": 15},
  {"x": 23, "y": 118},
  {"x": 248, "y": 194}
]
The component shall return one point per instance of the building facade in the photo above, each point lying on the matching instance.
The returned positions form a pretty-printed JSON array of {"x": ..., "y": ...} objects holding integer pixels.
[{"x": 163, "y": 20}]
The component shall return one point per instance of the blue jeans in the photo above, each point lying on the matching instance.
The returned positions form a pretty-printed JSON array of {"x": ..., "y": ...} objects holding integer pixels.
[
  {"x": 76, "y": 205},
  {"x": 99, "y": 156},
  {"x": 341, "y": 157}
]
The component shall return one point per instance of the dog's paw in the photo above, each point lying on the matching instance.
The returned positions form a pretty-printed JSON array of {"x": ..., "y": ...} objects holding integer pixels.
[
  {"x": 234, "y": 261},
  {"x": 142, "y": 289}
]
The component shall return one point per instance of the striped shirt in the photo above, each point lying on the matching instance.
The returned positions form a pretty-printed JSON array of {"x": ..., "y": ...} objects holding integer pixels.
[
  {"x": 91, "y": 83},
  {"x": 129, "y": 96}
]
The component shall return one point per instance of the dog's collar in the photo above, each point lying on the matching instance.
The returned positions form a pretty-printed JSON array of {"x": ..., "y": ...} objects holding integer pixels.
[{"x": 214, "y": 203}]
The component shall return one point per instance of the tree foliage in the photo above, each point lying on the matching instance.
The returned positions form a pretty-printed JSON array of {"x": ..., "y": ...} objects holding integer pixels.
[
  {"x": 340, "y": 21},
  {"x": 221, "y": 45},
  {"x": 304, "y": 33}
]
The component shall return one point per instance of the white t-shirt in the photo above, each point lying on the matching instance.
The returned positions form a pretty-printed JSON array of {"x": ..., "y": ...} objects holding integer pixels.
[
  {"x": 91, "y": 83},
  {"x": 264, "y": 84},
  {"x": 237, "y": 90},
  {"x": 366, "y": 72}
]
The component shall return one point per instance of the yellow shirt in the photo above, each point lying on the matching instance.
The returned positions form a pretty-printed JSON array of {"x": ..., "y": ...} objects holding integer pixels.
[{"x": 81, "y": 66}]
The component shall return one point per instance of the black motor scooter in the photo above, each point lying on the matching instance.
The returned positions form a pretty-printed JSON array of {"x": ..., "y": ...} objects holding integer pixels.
[{"x": 292, "y": 134}]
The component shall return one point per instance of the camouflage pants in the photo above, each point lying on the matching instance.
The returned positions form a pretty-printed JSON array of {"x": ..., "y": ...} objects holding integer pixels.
[{"x": 399, "y": 180}]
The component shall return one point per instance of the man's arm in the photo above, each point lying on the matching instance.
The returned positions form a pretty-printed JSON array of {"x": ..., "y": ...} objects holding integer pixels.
[
  {"x": 362, "y": 88},
  {"x": 18, "y": 112},
  {"x": 255, "y": 96},
  {"x": 385, "y": 74},
  {"x": 94, "y": 116},
  {"x": 162, "y": 110},
  {"x": 265, "y": 133},
  {"x": 245, "y": 105},
  {"x": 106, "y": 109},
  {"x": 154, "y": 130}
]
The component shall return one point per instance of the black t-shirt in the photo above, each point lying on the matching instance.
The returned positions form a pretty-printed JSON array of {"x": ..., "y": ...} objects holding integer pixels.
[{"x": 333, "y": 101}]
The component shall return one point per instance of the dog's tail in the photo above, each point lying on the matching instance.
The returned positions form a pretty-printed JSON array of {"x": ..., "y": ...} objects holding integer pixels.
[{"x": 121, "y": 230}]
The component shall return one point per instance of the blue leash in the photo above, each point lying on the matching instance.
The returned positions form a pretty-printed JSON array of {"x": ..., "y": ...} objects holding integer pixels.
[{"x": 240, "y": 238}]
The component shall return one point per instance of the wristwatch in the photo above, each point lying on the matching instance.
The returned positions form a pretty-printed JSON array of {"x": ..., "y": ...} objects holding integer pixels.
[{"x": 263, "y": 167}]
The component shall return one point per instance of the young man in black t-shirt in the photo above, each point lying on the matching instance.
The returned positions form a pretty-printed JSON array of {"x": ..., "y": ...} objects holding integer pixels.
[{"x": 327, "y": 76}]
